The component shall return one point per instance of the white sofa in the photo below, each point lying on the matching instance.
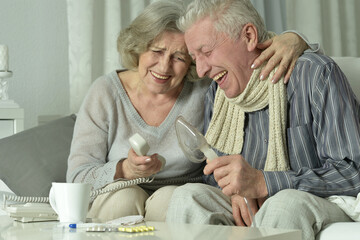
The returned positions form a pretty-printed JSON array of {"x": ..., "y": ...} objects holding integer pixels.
[
  {"x": 57, "y": 136},
  {"x": 347, "y": 231},
  {"x": 31, "y": 160}
]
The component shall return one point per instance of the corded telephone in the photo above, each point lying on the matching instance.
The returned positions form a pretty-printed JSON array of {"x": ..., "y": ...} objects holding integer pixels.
[{"x": 39, "y": 209}]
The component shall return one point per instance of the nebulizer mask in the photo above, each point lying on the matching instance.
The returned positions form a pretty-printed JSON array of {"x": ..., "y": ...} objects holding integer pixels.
[
  {"x": 192, "y": 142},
  {"x": 195, "y": 146}
]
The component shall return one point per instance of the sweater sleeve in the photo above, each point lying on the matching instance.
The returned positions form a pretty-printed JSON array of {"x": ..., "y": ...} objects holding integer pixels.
[
  {"x": 87, "y": 160},
  {"x": 313, "y": 47}
]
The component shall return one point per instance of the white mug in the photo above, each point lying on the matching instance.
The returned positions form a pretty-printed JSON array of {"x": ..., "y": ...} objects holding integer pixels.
[{"x": 70, "y": 201}]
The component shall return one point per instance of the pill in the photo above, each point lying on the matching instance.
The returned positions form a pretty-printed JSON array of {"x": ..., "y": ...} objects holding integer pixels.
[{"x": 136, "y": 229}]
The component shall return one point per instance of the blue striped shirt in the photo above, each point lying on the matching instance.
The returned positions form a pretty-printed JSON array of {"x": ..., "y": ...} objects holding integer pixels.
[{"x": 323, "y": 132}]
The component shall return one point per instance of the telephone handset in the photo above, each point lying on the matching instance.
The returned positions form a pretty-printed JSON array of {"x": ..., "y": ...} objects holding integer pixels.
[
  {"x": 39, "y": 209},
  {"x": 141, "y": 147}
]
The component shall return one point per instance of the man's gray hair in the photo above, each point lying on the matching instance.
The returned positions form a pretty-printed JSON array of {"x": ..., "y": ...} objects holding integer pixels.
[{"x": 229, "y": 16}]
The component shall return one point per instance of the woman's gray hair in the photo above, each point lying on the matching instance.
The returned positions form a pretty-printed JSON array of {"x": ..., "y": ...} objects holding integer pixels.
[
  {"x": 229, "y": 16},
  {"x": 156, "y": 18}
]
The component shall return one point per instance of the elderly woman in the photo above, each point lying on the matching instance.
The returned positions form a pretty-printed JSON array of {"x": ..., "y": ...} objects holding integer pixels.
[{"x": 157, "y": 86}]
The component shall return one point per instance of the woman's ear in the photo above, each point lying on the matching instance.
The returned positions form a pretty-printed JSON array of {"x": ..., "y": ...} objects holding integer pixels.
[{"x": 250, "y": 34}]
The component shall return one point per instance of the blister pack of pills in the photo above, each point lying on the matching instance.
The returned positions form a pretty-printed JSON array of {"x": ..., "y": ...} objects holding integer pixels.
[{"x": 134, "y": 229}]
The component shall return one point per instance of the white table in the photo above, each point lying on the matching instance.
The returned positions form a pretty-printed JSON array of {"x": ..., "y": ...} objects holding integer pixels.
[{"x": 13, "y": 230}]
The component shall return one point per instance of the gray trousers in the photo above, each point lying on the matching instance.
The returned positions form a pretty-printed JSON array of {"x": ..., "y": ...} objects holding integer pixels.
[{"x": 288, "y": 209}]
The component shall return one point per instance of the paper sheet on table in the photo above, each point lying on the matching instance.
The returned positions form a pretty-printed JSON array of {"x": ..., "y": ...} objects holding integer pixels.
[{"x": 128, "y": 220}]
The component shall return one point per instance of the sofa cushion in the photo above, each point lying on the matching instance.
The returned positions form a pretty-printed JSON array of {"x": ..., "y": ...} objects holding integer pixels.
[
  {"x": 31, "y": 160},
  {"x": 350, "y": 66},
  {"x": 340, "y": 230}
]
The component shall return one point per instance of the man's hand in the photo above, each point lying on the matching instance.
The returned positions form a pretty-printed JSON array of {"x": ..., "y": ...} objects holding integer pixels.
[
  {"x": 241, "y": 211},
  {"x": 282, "y": 50},
  {"x": 235, "y": 176}
]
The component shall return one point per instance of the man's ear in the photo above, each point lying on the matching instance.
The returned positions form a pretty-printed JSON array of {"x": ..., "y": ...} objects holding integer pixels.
[{"x": 250, "y": 34}]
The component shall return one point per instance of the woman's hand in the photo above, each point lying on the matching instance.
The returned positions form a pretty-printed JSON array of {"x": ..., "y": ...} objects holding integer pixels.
[
  {"x": 282, "y": 50},
  {"x": 137, "y": 166}
]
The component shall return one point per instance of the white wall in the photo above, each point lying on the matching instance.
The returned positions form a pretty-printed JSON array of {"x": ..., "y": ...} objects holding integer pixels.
[{"x": 36, "y": 34}]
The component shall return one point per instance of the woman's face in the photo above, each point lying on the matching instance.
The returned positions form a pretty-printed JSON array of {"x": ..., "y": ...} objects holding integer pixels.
[{"x": 163, "y": 66}]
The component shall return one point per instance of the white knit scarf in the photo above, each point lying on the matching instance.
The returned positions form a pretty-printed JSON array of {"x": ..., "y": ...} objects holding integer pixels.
[{"x": 226, "y": 129}]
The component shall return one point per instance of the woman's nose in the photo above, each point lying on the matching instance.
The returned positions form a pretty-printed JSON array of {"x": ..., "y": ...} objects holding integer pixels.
[{"x": 165, "y": 63}]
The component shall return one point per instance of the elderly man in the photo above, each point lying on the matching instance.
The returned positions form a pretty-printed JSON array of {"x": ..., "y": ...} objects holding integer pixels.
[{"x": 283, "y": 148}]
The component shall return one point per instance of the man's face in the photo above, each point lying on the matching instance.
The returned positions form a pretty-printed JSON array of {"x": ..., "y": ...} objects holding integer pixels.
[{"x": 218, "y": 57}]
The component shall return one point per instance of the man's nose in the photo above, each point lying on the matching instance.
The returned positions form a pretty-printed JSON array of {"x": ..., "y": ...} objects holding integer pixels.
[{"x": 202, "y": 67}]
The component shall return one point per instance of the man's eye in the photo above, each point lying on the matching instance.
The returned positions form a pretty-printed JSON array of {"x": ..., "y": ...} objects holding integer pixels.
[
  {"x": 180, "y": 59},
  {"x": 156, "y": 51},
  {"x": 208, "y": 53}
]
